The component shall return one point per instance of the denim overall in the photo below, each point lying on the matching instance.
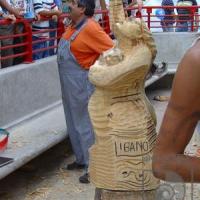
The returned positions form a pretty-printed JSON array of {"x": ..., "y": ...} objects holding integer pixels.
[{"x": 76, "y": 91}]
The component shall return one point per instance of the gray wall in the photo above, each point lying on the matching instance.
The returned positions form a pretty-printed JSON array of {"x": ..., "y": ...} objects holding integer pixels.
[
  {"x": 172, "y": 46},
  {"x": 29, "y": 89}
]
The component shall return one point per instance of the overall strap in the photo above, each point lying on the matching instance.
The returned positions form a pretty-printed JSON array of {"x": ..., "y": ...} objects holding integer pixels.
[{"x": 77, "y": 31}]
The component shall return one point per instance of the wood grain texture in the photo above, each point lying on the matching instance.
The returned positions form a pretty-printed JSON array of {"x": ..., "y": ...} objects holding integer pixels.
[{"x": 123, "y": 119}]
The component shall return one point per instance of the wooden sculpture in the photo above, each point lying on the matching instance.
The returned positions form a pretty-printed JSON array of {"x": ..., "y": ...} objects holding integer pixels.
[{"x": 123, "y": 119}]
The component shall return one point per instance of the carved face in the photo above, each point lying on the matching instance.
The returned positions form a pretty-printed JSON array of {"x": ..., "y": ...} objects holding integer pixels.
[{"x": 130, "y": 29}]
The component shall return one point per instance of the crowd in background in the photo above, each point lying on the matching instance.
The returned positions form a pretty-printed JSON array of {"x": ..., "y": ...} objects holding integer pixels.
[
  {"x": 30, "y": 9},
  {"x": 184, "y": 18},
  {"x": 36, "y": 9}
]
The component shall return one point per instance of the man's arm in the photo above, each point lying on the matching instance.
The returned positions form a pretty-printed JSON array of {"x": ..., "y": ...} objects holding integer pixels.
[
  {"x": 50, "y": 13},
  {"x": 180, "y": 119},
  {"x": 39, "y": 9},
  {"x": 9, "y": 8}
]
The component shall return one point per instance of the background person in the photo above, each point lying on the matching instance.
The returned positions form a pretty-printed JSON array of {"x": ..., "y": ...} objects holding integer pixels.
[
  {"x": 169, "y": 16},
  {"x": 180, "y": 119},
  {"x": 6, "y": 5},
  {"x": 184, "y": 18},
  {"x": 52, "y": 25},
  {"x": 3, "y": 32},
  {"x": 78, "y": 49},
  {"x": 45, "y": 8},
  {"x": 8, "y": 11},
  {"x": 21, "y": 5}
]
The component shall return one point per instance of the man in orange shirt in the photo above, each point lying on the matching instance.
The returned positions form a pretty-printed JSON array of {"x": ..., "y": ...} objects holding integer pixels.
[{"x": 78, "y": 49}]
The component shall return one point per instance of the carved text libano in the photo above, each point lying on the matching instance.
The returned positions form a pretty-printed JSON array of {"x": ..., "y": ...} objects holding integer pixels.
[{"x": 131, "y": 148}]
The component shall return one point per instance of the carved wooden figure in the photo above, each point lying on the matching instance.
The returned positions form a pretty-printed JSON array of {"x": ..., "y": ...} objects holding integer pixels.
[{"x": 123, "y": 119}]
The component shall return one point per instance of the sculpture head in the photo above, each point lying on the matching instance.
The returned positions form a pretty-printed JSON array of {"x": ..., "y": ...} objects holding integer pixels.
[{"x": 136, "y": 31}]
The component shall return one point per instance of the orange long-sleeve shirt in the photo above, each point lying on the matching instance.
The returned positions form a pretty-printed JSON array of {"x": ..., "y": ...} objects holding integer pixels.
[{"x": 89, "y": 43}]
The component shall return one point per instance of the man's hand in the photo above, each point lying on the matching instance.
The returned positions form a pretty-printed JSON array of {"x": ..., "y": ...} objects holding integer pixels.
[
  {"x": 10, "y": 17},
  {"x": 54, "y": 18},
  {"x": 57, "y": 13},
  {"x": 17, "y": 12},
  {"x": 20, "y": 11},
  {"x": 38, "y": 17}
]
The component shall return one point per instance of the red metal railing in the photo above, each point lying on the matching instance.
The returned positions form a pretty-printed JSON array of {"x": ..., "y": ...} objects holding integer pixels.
[
  {"x": 151, "y": 18},
  {"x": 27, "y": 28},
  {"x": 148, "y": 14},
  {"x": 28, "y": 41}
]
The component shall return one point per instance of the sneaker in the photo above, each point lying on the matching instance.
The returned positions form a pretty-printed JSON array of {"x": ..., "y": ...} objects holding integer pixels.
[
  {"x": 161, "y": 69},
  {"x": 74, "y": 166},
  {"x": 85, "y": 178}
]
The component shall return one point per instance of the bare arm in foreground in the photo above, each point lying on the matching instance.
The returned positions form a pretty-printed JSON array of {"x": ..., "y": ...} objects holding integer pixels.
[{"x": 180, "y": 119}]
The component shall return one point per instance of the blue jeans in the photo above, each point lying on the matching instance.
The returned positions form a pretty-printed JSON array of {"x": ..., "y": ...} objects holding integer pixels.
[
  {"x": 168, "y": 28},
  {"x": 183, "y": 27},
  {"x": 40, "y": 45},
  {"x": 76, "y": 92},
  {"x": 52, "y": 34}
]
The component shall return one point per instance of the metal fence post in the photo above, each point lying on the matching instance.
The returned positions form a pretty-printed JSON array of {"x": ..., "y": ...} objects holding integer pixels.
[
  {"x": 149, "y": 11},
  {"x": 193, "y": 19},
  {"x": 28, "y": 48}
]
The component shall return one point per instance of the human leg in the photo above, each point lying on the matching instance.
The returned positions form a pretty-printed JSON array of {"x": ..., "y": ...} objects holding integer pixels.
[
  {"x": 74, "y": 137},
  {"x": 182, "y": 27},
  {"x": 39, "y": 45},
  {"x": 79, "y": 91},
  {"x": 52, "y": 34},
  {"x": 169, "y": 27},
  {"x": 164, "y": 26},
  {"x": 6, "y": 30}
]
